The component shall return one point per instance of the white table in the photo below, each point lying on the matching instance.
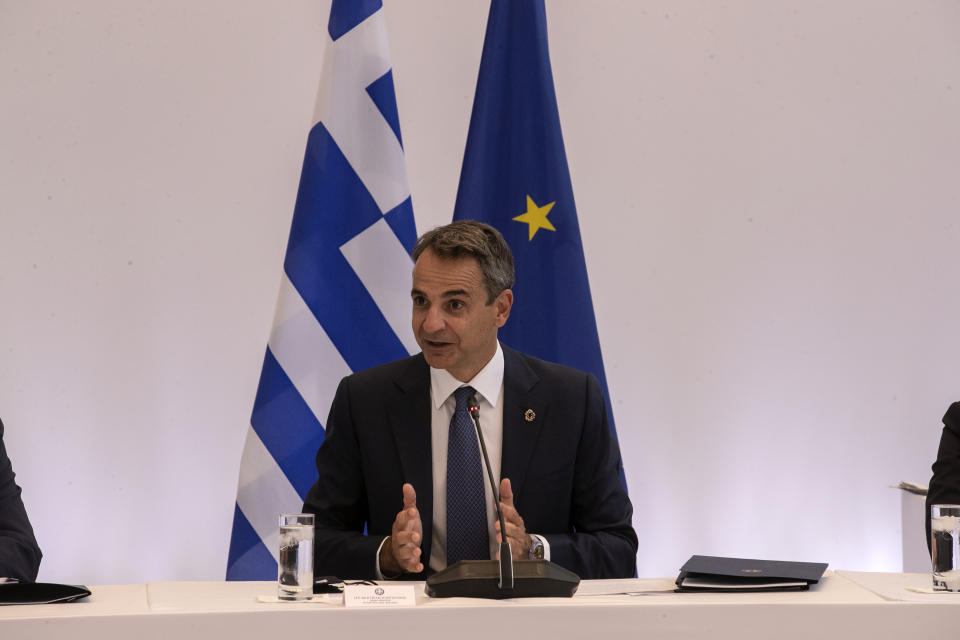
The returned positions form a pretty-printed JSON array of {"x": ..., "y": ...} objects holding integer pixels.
[{"x": 847, "y": 605}]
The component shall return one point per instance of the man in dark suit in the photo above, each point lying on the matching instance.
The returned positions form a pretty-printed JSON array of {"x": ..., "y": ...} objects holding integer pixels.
[
  {"x": 19, "y": 553},
  {"x": 391, "y": 464},
  {"x": 945, "y": 483}
]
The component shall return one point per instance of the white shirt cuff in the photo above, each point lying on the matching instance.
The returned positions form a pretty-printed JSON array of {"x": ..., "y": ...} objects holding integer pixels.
[{"x": 379, "y": 574}]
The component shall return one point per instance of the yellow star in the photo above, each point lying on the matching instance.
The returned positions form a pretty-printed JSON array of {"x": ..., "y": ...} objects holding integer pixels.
[{"x": 536, "y": 216}]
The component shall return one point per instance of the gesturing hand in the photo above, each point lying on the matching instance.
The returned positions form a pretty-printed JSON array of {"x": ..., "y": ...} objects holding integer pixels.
[
  {"x": 516, "y": 532},
  {"x": 401, "y": 553}
]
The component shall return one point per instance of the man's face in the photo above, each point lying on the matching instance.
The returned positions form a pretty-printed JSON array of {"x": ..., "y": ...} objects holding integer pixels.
[{"x": 452, "y": 322}]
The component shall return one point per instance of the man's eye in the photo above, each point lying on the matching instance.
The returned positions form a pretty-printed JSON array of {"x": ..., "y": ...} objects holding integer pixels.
[
  {"x": 456, "y": 305},
  {"x": 419, "y": 301}
]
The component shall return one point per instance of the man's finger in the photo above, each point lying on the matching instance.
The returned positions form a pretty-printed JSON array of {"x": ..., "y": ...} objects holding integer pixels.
[
  {"x": 408, "y": 520},
  {"x": 409, "y": 496},
  {"x": 506, "y": 493},
  {"x": 406, "y": 551},
  {"x": 510, "y": 514},
  {"x": 407, "y": 540},
  {"x": 514, "y": 530},
  {"x": 409, "y": 559}
]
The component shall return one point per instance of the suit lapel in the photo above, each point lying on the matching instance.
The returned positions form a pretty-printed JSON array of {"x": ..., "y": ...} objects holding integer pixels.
[
  {"x": 410, "y": 421},
  {"x": 524, "y": 413}
]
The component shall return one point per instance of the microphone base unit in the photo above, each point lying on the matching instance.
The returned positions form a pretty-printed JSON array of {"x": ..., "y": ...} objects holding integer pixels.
[{"x": 481, "y": 578}]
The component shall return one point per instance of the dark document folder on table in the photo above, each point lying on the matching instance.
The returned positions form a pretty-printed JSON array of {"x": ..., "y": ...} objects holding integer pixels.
[{"x": 713, "y": 573}]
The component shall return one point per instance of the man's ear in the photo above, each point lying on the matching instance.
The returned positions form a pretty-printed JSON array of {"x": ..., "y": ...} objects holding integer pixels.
[{"x": 503, "y": 302}]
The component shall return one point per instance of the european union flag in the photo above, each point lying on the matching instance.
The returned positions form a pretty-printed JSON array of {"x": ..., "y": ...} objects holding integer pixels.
[
  {"x": 515, "y": 178},
  {"x": 343, "y": 303}
]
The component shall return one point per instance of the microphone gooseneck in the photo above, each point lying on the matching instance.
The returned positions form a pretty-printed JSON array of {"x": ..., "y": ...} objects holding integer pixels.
[{"x": 506, "y": 555}]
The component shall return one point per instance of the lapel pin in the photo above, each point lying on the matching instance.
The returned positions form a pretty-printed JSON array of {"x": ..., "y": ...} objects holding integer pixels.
[{"x": 529, "y": 416}]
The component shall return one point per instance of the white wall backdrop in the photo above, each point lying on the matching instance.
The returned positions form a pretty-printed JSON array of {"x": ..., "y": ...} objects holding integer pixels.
[{"x": 768, "y": 197}]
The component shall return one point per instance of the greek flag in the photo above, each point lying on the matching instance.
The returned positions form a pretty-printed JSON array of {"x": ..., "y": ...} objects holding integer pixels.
[{"x": 344, "y": 301}]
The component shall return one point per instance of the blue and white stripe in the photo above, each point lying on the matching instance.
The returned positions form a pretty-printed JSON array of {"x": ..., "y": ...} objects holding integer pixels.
[{"x": 344, "y": 297}]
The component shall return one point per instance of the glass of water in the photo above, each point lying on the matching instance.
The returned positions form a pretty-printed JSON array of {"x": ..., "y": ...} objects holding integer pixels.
[
  {"x": 945, "y": 546},
  {"x": 295, "y": 567}
]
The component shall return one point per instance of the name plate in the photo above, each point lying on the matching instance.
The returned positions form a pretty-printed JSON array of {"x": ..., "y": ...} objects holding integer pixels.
[{"x": 391, "y": 595}]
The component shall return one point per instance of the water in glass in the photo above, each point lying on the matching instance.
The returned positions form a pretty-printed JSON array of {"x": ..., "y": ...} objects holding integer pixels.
[
  {"x": 295, "y": 568},
  {"x": 945, "y": 551}
]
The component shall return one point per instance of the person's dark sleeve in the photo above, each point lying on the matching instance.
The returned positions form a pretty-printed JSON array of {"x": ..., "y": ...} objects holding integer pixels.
[
  {"x": 338, "y": 500},
  {"x": 945, "y": 483},
  {"x": 19, "y": 553},
  {"x": 603, "y": 543}
]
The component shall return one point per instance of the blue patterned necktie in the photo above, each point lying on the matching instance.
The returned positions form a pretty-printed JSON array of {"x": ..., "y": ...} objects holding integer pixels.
[{"x": 467, "y": 537}]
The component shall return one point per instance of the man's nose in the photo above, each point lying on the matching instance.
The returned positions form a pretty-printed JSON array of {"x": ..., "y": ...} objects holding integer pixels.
[{"x": 433, "y": 320}]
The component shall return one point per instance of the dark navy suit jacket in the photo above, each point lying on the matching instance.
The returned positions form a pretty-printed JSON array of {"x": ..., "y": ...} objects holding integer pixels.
[
  {"x": 19, "y": 553},
  {"x": 563, "y": 466}
]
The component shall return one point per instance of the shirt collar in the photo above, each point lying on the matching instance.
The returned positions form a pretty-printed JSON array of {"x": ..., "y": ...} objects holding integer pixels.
[{"x": 487, "y": 382}]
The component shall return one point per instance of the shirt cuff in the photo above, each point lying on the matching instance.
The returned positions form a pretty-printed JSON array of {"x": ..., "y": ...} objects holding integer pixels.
[{"x": 379, "y": 574}]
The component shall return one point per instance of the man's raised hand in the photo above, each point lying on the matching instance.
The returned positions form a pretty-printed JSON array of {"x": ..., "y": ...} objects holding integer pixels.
[
  {"x": 401, "y": 553},
  {"x": 516, "y": 532}
]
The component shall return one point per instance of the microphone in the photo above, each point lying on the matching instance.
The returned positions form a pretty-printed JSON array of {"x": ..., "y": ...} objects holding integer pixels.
[
  {"x": 506, "y": 555},
  {"x": 503, "y": 579}
]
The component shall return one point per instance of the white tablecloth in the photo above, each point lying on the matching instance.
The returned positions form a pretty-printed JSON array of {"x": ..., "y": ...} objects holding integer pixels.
[{"x": 848, "y": 605}]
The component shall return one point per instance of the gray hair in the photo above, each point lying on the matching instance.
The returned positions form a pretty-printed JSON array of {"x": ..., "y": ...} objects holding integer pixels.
[{"x": 474, "y": 239}]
